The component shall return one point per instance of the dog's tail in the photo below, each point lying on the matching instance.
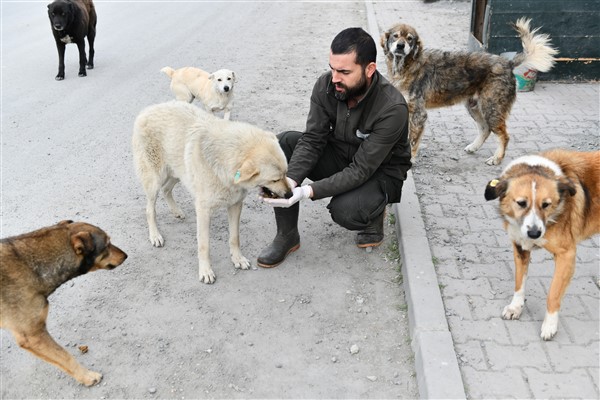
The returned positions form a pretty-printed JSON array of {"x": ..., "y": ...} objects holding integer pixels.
[
  {"x": 168, "y": 70},
  {"x": 537, "y": 53}
]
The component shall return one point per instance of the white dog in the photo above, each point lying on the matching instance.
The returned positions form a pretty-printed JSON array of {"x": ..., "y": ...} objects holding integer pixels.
[
  {"x": 218, "y": 161},
  {"x": 215, "y": 90}
]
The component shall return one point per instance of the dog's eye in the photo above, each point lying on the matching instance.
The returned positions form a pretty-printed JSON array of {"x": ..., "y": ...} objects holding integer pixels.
[
  {"x": 102, "y": 255},
  {"x": 396, "y": 35},
  {"x": 409, "y": 38},
  {"x": 522, "y": 203},
  {"x": 546, "y": 204}
]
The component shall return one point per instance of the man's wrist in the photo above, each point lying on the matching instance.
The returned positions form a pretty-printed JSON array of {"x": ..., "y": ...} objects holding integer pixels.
[{"x": 309, "y": 191}]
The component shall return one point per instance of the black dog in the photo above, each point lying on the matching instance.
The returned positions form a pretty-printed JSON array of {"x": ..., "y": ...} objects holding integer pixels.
[{"x": 72, "y": 21}]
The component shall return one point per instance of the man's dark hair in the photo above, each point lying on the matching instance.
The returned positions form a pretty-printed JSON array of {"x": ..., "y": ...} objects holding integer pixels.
[{"x": 355, "y": 39}]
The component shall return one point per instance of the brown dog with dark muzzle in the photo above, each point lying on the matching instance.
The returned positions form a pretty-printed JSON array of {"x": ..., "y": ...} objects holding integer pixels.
[{"x": 33, "y": 266}]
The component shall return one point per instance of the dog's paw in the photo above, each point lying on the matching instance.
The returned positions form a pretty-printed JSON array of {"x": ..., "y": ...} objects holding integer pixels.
[
  {"x": 157, "y": 240},
  {"x": 549, "y": 326},
  {"x": 59, "y": 77},
  {"x": 240, "y": 262},
  {"x": 472, "y": 148},
  {"x": 512, "y": 312},
  {"x": 89, "y": 378},
  {"x": 90, "y": 66},
  {"x": 207, "y": 276},
  {"x": 82, "y": 73},
  {"x": 493, "y": 160}
]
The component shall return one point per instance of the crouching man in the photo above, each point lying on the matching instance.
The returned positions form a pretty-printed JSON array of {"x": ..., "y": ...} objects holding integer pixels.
[{"x": 355, "y": 149}]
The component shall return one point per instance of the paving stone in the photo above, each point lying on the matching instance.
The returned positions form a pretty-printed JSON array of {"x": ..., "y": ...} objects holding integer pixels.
[
  {"x": 570, "y": 307},
  {"x": 474, "y": 271},
  {"x": 576, "y": 384},
  {"x": 524, "y": 331},
  {"x": 483, "y": 308},
  {"x": 458, "y": 306},
  {"x": 433, "y": 210},
  {"x": 592, "y": 305},
  {"x": 595, "y": 374},
  {"x": 487, "y": 385},
  {"x": 584, "y": 331},
  {"x": 565, "y": 358},
  {"x": 474, "y": 287},
  {"x": 471, "y": 354},
  {"x": 464, "y": 330},
  {"x": 531, "y": 354},
  {"x": 444, "y": 253},
  {"x": 448, "y": 268}
]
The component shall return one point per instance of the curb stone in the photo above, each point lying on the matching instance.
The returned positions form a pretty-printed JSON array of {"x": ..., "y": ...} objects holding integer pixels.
[{"x": 438, "y": 374}]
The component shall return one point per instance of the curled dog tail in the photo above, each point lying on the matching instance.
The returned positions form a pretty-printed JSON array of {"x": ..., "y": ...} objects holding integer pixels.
[
  {"x": 537, "y": 52},
  {"x": 168, "y": 70}
]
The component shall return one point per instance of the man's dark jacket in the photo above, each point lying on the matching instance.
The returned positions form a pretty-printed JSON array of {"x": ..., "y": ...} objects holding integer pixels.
[{"x": 371, "y": 136}]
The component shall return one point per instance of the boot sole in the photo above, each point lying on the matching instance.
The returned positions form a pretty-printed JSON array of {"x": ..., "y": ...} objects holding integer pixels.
[
  {"x": 293, "y": 249},
  {"x": 363, "y": 245}
]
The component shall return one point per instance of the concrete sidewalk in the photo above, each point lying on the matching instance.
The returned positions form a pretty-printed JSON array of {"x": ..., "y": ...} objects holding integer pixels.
[{"x": 457, "y": 259}]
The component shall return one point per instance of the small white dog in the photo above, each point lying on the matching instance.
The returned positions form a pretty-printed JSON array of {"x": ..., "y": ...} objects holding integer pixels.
[{"x": 215, "y": 90}]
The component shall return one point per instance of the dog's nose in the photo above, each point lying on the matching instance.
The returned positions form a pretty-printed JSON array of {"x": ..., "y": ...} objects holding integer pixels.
[
  {"x": 288, "y": 195},
  {"x": 226, "y": 88},
  {"x": 534, "y": 233}
]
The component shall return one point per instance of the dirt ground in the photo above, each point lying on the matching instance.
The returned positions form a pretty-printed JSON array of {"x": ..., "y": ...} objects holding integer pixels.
[{"x": 151, "y": 327}]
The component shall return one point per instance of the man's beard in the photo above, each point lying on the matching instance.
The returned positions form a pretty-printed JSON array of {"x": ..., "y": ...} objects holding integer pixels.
[{"x": 353, "y": 92}]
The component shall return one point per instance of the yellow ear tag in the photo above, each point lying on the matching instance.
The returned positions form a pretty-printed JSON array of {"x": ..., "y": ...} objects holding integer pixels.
[
  {"x": 494, "y": 182},
  {"x": 237, "y": 176}
]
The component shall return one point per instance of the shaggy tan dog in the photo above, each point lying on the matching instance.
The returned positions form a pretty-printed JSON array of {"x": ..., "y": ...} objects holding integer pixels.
[{"x": 218, "y": 161}]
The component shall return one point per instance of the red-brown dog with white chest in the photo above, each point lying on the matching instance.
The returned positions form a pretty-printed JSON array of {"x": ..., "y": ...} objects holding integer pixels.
[{"x": 549, "y": 201}]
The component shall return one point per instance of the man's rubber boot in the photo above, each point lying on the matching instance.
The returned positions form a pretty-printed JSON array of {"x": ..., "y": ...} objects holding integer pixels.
[
  {"x": 287, "y": 239},
  {"x": 372, "y": 236}
]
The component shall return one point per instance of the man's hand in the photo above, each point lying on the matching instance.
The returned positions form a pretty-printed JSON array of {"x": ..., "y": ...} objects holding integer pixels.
[{"x": 299, "y": 193}]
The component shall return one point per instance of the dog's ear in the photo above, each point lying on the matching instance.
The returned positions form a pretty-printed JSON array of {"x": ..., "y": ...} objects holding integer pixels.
[
  {"x": 418, "y": 45},
  {"x": 234, "y": 76},
  {"x": 65, "y": 222},
  {"x": 211, "y": 76},
  {"x": 566, "y": 186},
  {"x": 82, "y": 243},
  {"x": 247, "y": 171},
  {"x": 495, "y": 188},
  {"x": 384, "y": 41}
]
